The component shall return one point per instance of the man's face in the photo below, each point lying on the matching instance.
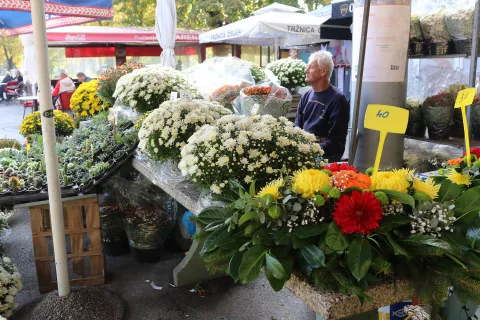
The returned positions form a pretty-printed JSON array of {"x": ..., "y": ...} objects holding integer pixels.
[
  {"x": 313, "y": 73},
  {"x": 17, "y": 73},
  {"x": 81, "y": 78},
  {"x": 293, "y": 53}
]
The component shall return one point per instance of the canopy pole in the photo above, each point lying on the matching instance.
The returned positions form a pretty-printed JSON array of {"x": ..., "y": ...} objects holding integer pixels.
[
  {"x": 277, "y": 49},
  {"x": 50, "y": 153}
]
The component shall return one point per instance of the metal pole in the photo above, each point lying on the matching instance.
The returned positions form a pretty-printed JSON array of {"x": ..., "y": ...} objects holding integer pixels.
[
  {"x": 358, "y": 92},
  {"x": 473, "y": 61},
  {"x": 277, "y": 49},
  {"x": 48, "y": 132}
]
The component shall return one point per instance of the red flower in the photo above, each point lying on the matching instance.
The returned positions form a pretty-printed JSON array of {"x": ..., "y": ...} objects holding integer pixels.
[
  {"x": 334, "y": 167},
  {"x": 358, "y": 213},
  {"x": 475, "y": 151}
]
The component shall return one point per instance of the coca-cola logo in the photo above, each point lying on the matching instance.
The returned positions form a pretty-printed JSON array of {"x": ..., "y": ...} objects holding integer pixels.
[
  {"x": 76, "y": 37},
  {"x": 145, "y": 38}
]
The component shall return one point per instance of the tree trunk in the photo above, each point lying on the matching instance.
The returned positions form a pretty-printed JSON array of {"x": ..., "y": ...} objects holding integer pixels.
[{"x": 9, "y": 58}]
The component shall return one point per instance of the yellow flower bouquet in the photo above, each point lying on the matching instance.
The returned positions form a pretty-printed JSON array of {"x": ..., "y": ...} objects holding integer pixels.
[
  {"x": 32, "y": 124},
  {"x": 85, "y": 101}
]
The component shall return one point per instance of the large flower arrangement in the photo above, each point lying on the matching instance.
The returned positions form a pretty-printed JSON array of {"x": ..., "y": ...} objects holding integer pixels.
[
  {"x": 263, "y": 99},
  {"x": 10, "y": 284},
  {"x": 246, "y": 148},
  {"x": 145, "y": 89},
  {"x": 345, "y": 235},
  {"x": 290, "y": 72},
  {"x": 85, "y": 101},
  {"x": 107, "y": 81},
  {"x": 32, "y": 124},
  {"x": 226, "y": 94},
  {"x": 166, "y": 130}
]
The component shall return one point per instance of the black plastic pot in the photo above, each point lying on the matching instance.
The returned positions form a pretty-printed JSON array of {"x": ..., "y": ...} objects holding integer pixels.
[
  {"x": 116, "y": 248},
  {"x": 439, "y": 120},
  {"x": 147, "y": 255}
]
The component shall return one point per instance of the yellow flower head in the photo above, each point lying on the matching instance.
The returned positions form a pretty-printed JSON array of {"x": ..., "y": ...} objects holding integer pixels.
[
  {"x": 459, "y": 178},
  {"x": 428, "y": 187},
  {"x": 307, "y": 182},
  {"x": 396, "y": 180},
  {"x": 272, "y": 188},
  {"x": 408, "y": 173}
]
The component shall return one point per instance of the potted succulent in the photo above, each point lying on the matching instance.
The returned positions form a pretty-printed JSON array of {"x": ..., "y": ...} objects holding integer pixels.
[
  {"x": 416, "y": 125},
  {"x": 438, "y": 112}
]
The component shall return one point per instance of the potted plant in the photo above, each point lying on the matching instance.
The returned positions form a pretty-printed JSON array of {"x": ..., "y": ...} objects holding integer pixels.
[
  {"x": 438, "y": 112},
  {"x": 416, "y": 125}
]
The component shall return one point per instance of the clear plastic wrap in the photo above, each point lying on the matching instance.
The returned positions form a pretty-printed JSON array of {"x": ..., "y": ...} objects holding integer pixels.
[
  {"x": 459, "y": 21},
  {"x": 434, "y": 28},
  {"x": 427, "y": 156},
  {"x": 149, "y": 213},
  {"x": 266, "y": 98},
  {"x": 415, "y": 28}
]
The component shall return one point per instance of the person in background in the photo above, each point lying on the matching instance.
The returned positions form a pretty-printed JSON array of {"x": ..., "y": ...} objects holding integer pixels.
[
  {"x": 65, "y": 84},
  {"x": 324, "y": 110},
  {"x": 293, "y": 54},
  {"x": 18, "y": 76},
  {"x": 8, "y": 77},
  {"x": 82, "y": 77}
]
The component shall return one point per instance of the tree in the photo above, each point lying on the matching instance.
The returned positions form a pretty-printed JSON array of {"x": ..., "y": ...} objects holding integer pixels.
[
  {"x": 11, "y": 51},
  {"x": 315, "y": 4}
]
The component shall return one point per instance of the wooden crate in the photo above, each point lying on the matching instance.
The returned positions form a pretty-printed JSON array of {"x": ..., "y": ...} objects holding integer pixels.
[{"x": 84, "y": 243}]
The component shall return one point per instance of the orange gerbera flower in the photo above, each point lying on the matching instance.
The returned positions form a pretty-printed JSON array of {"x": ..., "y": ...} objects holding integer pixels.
[
  {"x": 345, "y": 179},
  {"x": 455, "y": 162}
]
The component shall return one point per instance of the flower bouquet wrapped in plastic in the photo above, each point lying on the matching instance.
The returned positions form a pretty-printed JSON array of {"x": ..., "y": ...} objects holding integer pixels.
[{"x": 263, "y": 99}]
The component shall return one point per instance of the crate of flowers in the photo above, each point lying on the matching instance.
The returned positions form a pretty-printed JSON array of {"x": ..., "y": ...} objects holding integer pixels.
[{"x": 263, "y": 99}]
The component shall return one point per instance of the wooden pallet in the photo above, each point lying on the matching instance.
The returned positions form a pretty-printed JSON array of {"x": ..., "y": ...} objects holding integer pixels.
[{"x": 84, "y": 243}]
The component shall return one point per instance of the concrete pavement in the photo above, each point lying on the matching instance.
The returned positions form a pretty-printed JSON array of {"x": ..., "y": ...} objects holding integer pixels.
[{"x": 11, "y": 115}]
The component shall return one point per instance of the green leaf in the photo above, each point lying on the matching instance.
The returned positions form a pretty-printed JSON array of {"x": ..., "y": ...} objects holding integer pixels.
[
  {"x": 473, "y": 236},
  {"x": 251, "y": 228},
  {"x": 252, "y": 263},
  {"x": 252, "y": 190},
  {"x": 287, "y": 263},
  {"x": 396, "y": 221},
  {"x": 448, "y": 191},
  {"x": 424, "y": 240},
  {"x": 282, "y": 237},
  {"x": 384, "y": 228},
  {"x": 301, "y": 243},
  {"x": 397, "y": 249},
  {"x": 287, "y": 198},
  {"x": 234, "y": 265},
  {"x": 275, "y": 267},
  {"x": 263, "y": 237},
  {"x": 276, "y": 284},
  {"x": 308, "y": 231},
  {"x": 323, "y": 246},
  {"x": 297, "y": 207},
  {"x": 335, "y": 238},
  {"x": 400, "y": 197},
  {"x": 232, "y": 241},
  {"x": 211, "y": 241},
  {"x": 281, "y": 251},
  {"x": 314, "y": 256},
  {"x": 247, "y": 216},
  {"x": 359, "y": 257},
  {"x": 214, "y": 214},
  {"x": 438, "y": 179},
  {"x": 468, "y": 204}
]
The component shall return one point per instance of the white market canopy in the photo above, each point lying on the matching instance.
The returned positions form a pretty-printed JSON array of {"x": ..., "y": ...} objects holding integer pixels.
[
  {"x": 276, "y": 7},
  {"x": 270, "y": 29}
]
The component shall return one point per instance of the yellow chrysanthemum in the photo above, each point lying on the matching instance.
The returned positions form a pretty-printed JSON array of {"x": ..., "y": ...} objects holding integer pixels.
[
  {"x": 393, "y": 180},
  {"x": 428, "y": 187},
  {"x": 408, "y": 173},
  {"x": 272, "y": 188},
  {"x": 307, "y": 182},
  {"x": 459, "y": 178}
]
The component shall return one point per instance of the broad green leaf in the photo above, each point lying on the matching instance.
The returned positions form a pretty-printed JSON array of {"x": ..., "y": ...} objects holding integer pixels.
[
  {"x": 314, "y": 256},
  {"x": 384, "y": 228},
  {"x": 397, "y": 249},
  {"x": 214, "y": 214},
  {"x": 424, "y": 240},
  {"x": 252, "y": 190},
  {"x": 251, "y": 228},
  {"x": 400, "y": 197},
  {"x": 323, "y": 246},
  {"x": 275, "y": 267},
  {"x": 211, "y": 241},
  {"x": 275, "y": 283},
  {"x": 283, "y": 237},
  {"x": 438, "y": 179},
  {"x": 252, "y": 263},
  {"x": 247, "y": 216},
  {"x": 232, "y": 241},
  {"x": 234, "y": 265},
  {"x": 448, "y": 191},
  {"x": 308, "y": 231},
  {"x": 335, "y": 238},
  {"x": 299, "y": 243},
  {"x": 396, "y": 220},
  {"x": 287, "y": 264},
  {"x": 263, "y": 237},
  {"x": 359, "y": 257},
  {"x": 281, "y": 251},
  {"x": 305, "y": 267},
  {"x": 468, "y": 204}
]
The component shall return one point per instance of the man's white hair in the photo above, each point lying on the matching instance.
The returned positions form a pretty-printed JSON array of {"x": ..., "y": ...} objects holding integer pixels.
[
  {"x": 324, "y": 59},
  {"x": 63, "y": 72}
]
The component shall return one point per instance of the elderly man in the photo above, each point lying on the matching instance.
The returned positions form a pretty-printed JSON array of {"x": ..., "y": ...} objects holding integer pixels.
[
  {"x": 82, "y": 77},
  {"x": 324, "y": 111},
  {"x": 65, "y": 84}
]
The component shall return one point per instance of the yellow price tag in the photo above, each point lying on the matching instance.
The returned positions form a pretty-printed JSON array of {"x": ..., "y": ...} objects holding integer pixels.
[
  {"x": 386, "y": 119},
  {"x": 465, "y": 98}
]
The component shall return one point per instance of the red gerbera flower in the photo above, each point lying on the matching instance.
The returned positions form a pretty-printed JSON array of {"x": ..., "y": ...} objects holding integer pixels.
[
  {"x": 475, "y": 151},
  {"x": 334, "y": 167},
  {"x": 358, "y": 213}
]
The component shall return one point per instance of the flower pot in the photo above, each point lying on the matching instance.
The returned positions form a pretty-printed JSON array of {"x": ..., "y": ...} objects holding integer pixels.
[
  {"x": 456, "y": 130},
  {"x": 416, "y": 48},
  {"x": 147, "y": 255},
  {"x": 439, "y": 120},
  {"x": 475, "y": 116},
  {"x": 416, "y": 126},
  {"x": 439, "y": 48},
  {"x": 116, "y": 248},
  {"x": 33, "y": 191}
]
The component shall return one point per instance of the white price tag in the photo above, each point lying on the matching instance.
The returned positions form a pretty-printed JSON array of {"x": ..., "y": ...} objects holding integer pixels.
[
  {"x": 173, "y": 95},
  {"x": 186, "y": 95}
]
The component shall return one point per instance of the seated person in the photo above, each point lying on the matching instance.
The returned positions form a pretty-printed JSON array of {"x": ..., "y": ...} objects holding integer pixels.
[
  {"x": 82, "y": 77},
  {"x": 8, "y": 77},
  {"x": 18, "y": 76},
  {"x": 65, "y": 84},
  {"x": 324, "y": 111}
]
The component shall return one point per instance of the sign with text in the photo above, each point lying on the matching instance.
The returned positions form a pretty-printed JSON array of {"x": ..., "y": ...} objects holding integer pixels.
[
  {"x": 386, "y": 119},
  {"x": 465, "y": 98}
]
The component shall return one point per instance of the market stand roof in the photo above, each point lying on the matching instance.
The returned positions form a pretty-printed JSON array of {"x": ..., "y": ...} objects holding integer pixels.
[{"x": 92, "y": 34}]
